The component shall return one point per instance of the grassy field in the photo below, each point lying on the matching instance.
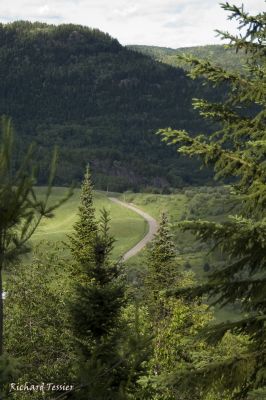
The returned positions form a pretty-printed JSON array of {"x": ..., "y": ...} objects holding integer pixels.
[
  {"x": 127, "y": 227},
  {"x": 174, "y": 205}
]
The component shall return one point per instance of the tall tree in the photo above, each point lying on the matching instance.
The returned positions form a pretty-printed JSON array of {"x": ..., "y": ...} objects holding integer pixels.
[
  {"x": 236, "y": 151},
  {"x": 20, "y": 210},
  {"x": 86, "y": 227},
  {"x": 96, "y": 304},
  {"x": 161, "y": 263}
]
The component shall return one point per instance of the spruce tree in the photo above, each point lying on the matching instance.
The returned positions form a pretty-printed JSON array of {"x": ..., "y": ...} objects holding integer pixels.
[
  {"x": 235, "y": 151},
  {"x": 96, "y": 304},
  {"x": 161, "y": 257},
  {"x": 86, "y": 227}
]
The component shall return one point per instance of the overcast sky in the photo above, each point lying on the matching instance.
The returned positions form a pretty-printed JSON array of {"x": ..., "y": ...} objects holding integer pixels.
[{"x": 171, "y": 23}]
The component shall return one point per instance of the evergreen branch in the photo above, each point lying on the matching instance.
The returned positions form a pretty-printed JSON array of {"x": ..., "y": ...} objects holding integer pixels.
[
  {"x": 216, "y": 111},
  {"x": 233, "y": 373},
  {"x": 244, "y": 127},
  {"x": 226, "y": 163},
  {"x": 239, "y": 43},
  {"x": 252, "y": 325},
  {"x": 210, "y": 152},
  {"x": 243, "y": 88},
  {"x": 256, "y": 23},
  {"x": 223, "y": 291},
  {"x": 240, "y": 236},
  {"x": 212, "y": 72}
]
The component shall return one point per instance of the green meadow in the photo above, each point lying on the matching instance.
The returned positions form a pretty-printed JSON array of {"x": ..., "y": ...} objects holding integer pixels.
[{"x": 127, "y": 227}]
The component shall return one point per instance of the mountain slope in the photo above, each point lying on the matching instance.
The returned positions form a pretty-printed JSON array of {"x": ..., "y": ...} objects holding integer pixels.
[{"x": 99, "y": 102}]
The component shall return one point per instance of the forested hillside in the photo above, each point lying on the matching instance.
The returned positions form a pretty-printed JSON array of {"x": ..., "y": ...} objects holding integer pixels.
[
  {"x": 99, "y": 102},
  {"x": 225, "y": 57}
]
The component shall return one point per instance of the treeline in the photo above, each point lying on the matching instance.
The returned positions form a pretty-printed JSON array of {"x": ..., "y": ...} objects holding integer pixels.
[{"x": 101, "y": 103}]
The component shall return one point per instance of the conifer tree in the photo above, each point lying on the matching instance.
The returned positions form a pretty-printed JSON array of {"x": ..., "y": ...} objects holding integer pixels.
[
  {"x": 96, "y": 304},
  {"x": 161, "y": 257},
  {"x": 236, "y": 150},
  {"x": 161, "y": 263},
  {"x": 86, "y": 227}
]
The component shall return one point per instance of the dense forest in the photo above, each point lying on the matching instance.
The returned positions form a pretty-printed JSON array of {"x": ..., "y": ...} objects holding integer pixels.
[{"x": 99, "y": 102}]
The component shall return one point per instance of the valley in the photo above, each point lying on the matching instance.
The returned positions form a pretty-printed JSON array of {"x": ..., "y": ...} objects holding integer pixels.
[{"x": 129, "y": 228}]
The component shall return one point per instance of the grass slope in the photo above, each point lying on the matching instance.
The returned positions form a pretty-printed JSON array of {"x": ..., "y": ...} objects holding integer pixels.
[{"x": 126, "y": 226}]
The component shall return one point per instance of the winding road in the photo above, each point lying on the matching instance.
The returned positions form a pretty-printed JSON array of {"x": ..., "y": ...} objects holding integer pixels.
[{"x": 153, "y": 228}]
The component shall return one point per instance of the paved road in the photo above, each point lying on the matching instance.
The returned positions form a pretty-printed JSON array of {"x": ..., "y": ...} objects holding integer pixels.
[{"x": 153, "y": 227}]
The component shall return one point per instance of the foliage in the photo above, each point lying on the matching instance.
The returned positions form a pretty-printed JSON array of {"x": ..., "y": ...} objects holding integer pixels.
[
  {"x": 36, "y": 323},
  {"x": 236, "y": 150}
]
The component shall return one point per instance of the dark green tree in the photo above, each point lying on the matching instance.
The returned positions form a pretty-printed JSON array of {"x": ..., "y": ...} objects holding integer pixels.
[
  {"x": 236, "y": 151},
  {"x": 162, "y": 253},
  {"x": 20, "y": 210},
  {"x": 97, "y": 303},
  {"x": 86, "y": 227},
  {"x": 161, "y": 263}
]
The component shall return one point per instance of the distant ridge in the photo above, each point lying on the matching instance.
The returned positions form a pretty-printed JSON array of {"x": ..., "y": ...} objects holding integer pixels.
[{"x": 218, "y": 54}]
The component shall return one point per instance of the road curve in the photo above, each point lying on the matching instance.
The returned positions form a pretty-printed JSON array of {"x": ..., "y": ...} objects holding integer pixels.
[{"x": 153, "y": 228}]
